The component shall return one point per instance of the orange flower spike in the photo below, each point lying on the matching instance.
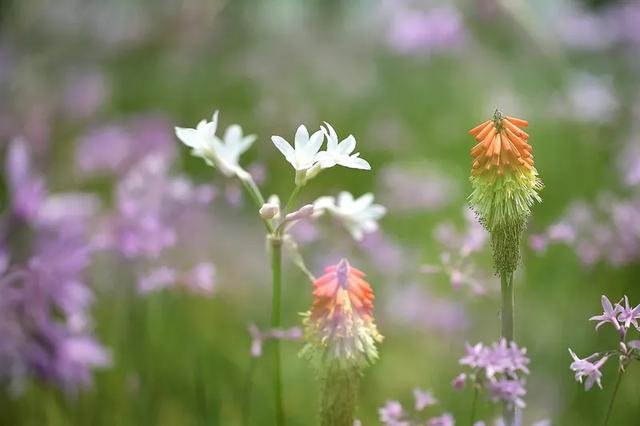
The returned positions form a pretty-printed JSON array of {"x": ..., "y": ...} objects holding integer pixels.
[
  {"x": 517, "y": 121},
  {"x": 340, "y": 328},
  {"x": 479, "y": 128},
  {"x": 489, "y": 129}
]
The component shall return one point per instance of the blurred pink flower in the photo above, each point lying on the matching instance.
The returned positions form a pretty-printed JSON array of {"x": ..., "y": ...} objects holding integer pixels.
[
  {"x": 116, "y": 147},
  {"x": 259, "y": 337}
]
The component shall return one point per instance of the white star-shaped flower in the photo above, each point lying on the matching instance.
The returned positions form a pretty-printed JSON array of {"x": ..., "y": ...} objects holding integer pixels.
[
  {"x": 222, "y": 153},
  {"x": 303, "y": 156},
  {"x": 340, "y": 153},
  {"x": 359, "y": 215}
]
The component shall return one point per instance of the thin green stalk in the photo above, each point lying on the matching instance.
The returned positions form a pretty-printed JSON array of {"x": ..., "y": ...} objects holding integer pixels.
[
  {"x": 507, "y": 312},
  {"x": 613, "y": 397},
  {"x": 292, "y": 197},
  {"x": 474, "y": 403},
  {"x": 255, "y": 194},
  {"x": 276, "y": 271},
  {"x": 507, "y": 322},
  {"x": 248, "y": 387}
]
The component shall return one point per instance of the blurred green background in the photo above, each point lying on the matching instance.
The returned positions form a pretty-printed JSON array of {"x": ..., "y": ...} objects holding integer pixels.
[{"x": 409, "y": 99}]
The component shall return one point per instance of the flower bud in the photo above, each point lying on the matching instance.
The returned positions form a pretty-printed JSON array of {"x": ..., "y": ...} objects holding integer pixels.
[
  {"x": 269, "y": 211},
  {"x": 303, "y": 212}
]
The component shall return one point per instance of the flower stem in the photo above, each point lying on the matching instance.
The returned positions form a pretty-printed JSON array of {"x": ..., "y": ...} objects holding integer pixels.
[
  {"x": 292, "y": 197},
  {"x": 613, "y": 396},
  {"x": 474, "y": 403},
  {"x": 276, "y": 271},
  {"x": 255, "y": 194},
  {"x": 248, "y": 387},
  {"x": 507, "y": 331}
]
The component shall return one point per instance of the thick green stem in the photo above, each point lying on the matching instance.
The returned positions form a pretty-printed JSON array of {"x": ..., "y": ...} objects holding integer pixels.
[
  {"x": 474, "y": 403},
  {"x": 276, "y": 271},
  {"x": 338, "y": 396},
  {"x": 613, "y": 397},
  {"x": 507, "y": 327}
]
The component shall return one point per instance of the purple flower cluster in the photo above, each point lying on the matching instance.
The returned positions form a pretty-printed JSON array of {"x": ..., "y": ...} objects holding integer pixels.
[
  {"x": 610, "y": 26},
  {"x": 393, "y": 414},
  {"x": 416, "y": 188},
  {"x": 45, "y": 326},
  {"x": 416, "y": 307},
  {"x": 610, "y": 233},
  {"x": 621, "y": 316},
  {"x": 150, "y": 206},
  {"x": 457, "y": 260},
  {"x": 423, "y": 32},
  {"x": 497, "y": 369},
  {"x": 116, "y": 147}
]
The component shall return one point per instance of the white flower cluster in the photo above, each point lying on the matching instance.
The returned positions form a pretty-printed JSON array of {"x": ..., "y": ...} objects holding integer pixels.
[{"x": 359, "y": 216}]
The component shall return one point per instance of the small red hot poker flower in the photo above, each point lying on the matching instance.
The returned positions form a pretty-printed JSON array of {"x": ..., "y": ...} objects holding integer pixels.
[
  {"x": 505, "y": 184},
  {"x": 339, "y": 327},
  {"x": 341, "y": 339}
]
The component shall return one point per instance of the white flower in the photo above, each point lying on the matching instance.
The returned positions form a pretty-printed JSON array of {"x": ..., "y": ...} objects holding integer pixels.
[
  {"x": 359, "y": 216},
  {"x": 304, "y": 156},
  {"x": 225, "y": 153},
  {"x": 340, "y": 152}
]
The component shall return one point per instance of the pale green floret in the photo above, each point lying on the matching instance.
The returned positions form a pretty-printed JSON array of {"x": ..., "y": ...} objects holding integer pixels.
[
  {"x": 503, "y": 204},
  {"x": 351, "y": 345},
  {"x": 501, "y": 200}
]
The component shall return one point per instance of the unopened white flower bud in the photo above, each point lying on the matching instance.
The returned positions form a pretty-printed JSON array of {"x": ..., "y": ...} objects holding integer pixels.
[
  {"x": 269, "y": 210},
  {"x": 303, "y": 212}
]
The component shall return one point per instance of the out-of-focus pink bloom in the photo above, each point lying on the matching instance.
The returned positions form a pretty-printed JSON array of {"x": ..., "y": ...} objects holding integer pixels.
[
  {"x": 588, "y": 98},
  {"x": 444, "y": 420},
  {"x": 149, "y": 204},
  {"x": 391, "y": 414},
  {"x": 424, "y": 32},
  {"x": 116, "y": 147},
  {"x": 459, "y": 381},
  {"x": 409, "y": 189},
  {"x": 27, "y": 191},
  {"x": 423, "y": 399},
  {"x": 199, "y": 280},
  {"x": 385, "y": 254},
  {"x": 259, "y": 337},
  {"x": 84, "y": 92},
  {"x": 416, "y": 307}
]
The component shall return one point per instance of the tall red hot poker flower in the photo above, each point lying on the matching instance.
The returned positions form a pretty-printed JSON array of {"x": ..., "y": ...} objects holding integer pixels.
[
  {"x": 341, "y": 339},
  {"x": 505, "y": 184}
]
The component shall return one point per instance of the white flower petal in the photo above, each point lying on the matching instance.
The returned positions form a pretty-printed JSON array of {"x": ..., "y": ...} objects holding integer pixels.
[
  {"x": 332, "y": 137},
  {"x": 286, "y": 149},
  {"x": 355, "y": 162},
  {"x": 347, "y": 146},
  {"x": 301, "y": 138}
]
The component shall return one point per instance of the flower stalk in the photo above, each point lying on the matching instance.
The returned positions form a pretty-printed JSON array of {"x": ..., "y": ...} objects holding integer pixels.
[
  {"x": 341, "y": 338},
  {"x": 505, "y": 186},
  {"x": 276, "y": 274},
  {"x": 613, "y": 396}
]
